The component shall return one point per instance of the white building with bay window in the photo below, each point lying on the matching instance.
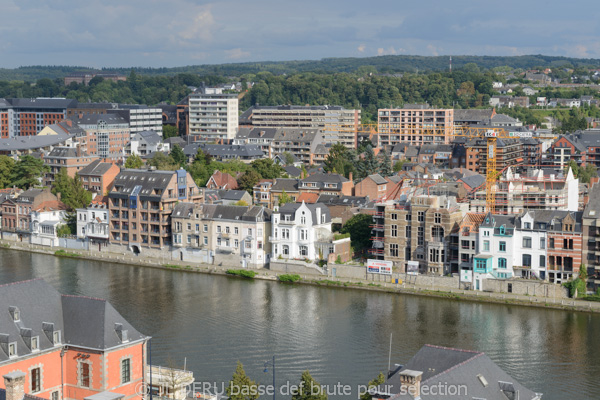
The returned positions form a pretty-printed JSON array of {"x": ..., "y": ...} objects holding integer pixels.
[{"x": 301, "y": 231}]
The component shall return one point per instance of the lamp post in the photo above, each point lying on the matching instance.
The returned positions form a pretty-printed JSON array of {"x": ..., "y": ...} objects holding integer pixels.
[{"x": 272, "y": 364}]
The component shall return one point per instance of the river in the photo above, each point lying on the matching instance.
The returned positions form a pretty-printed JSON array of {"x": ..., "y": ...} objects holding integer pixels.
[{"x": 340, "y": 335}]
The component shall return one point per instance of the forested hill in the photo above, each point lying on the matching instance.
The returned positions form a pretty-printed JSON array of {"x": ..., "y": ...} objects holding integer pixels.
[{"x": 381, "y": 64}]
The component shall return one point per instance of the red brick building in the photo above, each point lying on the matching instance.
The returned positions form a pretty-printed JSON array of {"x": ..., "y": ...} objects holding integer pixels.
[
  {"x": 55, "y": 346},
  {"x": 99, "y": 176}
]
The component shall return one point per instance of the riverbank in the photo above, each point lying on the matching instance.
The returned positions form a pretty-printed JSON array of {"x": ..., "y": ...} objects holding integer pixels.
[{"x": 318, "y": 280}]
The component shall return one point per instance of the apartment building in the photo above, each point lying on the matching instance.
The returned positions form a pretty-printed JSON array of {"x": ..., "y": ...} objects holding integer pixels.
[
  {"x": 145, "y": 143},
  {"x": 418, "y": 230},
  {"x": 234, "y": 235},
  {"x": 591, "y": 238},
  {"x": 106, "y": 135},
  {"x": 261, "y": 137},
  {"x": 301, "y": 143},
  {"x": 509, "y": 153},
  {"x": 535, "y": 189},
  {"x": 93, "y": 222},
  {"x": 338, "y": 124},
  {"x": 140, "y": 206},
  {"x": 415, "y": 124},
  {"x": 72, "y": 159},
  {"x": 213, "y": 116},
  {"x": 57, "y": 346},
  {"x": 326, "y": 183},
  {"x": 98, "y": 177},
  {"x": 17, "y": 212},
  {"x": 140, "y": 117},
  {"x": 303, "y": 231},
  {"x": 26, "y": 117}
]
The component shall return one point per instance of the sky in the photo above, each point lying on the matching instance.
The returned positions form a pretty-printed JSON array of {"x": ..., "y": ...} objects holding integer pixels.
[{"x": 168, "y": 33}]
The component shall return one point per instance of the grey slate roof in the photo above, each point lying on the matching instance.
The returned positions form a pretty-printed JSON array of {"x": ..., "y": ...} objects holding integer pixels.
[
  {"x": 94, "y": 119},
  {"x": 64, "y": 152},
  {"x": 321, "y": 179},
  {"x": 296, "y": 134},
  {"x": 176, "y": 140},
  {"x": 236, "y": 213},
  {"x": 95, "y": 168},
  {"x": 473, "y": 115},
  {"x": 183, "y": 210},
  {"x": 289, "y": 185},
  {"x": 43, "y": 103},
  {"x": 291, "y": 208},
  {"x": 257, "y": 133},
  {"x": 592, "y": 209},
  {"x": 292, "y": 171},
  {"x": 33, "y": 142},
  {"x": 442, "y": 365},
  {"x": 350, "y": 201},
  {"x": 128, "y": 179},
  {"x": 83, "y": 321},
  {"x": 149, "y": 137},
  {"x": 473, "y": 181},
  {"x": 232, "y": 194}
]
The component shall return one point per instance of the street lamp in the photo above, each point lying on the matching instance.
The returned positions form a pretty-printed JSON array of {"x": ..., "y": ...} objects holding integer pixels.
[{"x": 272, "y": 364}]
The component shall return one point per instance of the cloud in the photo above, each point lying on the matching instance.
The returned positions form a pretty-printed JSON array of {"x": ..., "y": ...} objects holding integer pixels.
[
  {"x": 235, "y": 54},
  {"x": 361, "y": 48},
  {"x": 384, "y": 52},
  {"x": 201, "y": 26},
  {"x": 433, "y": 50}
]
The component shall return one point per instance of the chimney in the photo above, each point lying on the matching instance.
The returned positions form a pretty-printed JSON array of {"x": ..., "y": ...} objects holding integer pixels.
[
  {"x": 15, "y": 385},
  {"x": 350, "y": 177},
  {"x": 78, "y": 151},
  {"x": 410, "y": 381}
]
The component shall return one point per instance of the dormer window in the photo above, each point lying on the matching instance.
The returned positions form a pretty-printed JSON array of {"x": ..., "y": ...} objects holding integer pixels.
[
  {"x": 502, "y": 230},
  {"x": 35, "y": 343},
  {"x": 12, "y": 349},
  {"x": 16, "y": 314},
  {"x": 56, "y": 337},
  {"x": 527, "y": 225}
]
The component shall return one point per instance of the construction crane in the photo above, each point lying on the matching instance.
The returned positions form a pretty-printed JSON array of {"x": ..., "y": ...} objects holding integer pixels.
[{"x": 442, "y": 134}]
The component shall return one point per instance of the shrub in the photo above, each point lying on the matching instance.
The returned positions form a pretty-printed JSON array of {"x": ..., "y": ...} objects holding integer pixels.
[
  {"x": 242, "y": 273},
  {"x": 338, "y": 260},
  {"x": 339, "y": 236},
  {"x": 289, "y": 278}
]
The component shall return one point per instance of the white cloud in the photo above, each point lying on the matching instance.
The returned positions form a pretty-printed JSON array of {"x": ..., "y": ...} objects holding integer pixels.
[
  {"x": 200, "y": 27},
  {"x": 361, "y": 48},
  {"x": 433, "y": 50},
  {"x": 236, "y": 54}
]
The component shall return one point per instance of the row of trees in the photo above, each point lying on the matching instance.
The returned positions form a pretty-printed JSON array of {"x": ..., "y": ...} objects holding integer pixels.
[
  {"x": 241, "y": 387},
  {"x": 361, "y": 162},
  {"x": 23, "y": 173}
]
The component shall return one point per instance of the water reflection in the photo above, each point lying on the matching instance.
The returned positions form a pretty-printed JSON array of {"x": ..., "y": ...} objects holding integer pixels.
[{"x": 338, "y": 334}]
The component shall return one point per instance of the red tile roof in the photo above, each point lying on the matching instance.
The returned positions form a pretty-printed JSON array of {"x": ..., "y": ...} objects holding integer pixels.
[{"x": 309, "y": 198}]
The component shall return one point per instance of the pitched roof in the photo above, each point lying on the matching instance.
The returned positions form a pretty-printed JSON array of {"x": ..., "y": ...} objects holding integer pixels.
[
  {"x": 592, "y": 209},
  {"x": 143, "y": 182},
  {"x": 150, "y": 137},
  {"x": 308, "y": 198},
  {"x": 95, "y": 168},
  {"x": 33, "y": 142},
  {"x": 289, "y": 185},
  {"x": 291, "y": 208},
  {"x": 378, "y": 179},
  {"x": 473, "y": 181},
  {"x": 83, "y": 321},
  {"x": 223, "y": 180},
  {"x": 293, "y": 171},
  {"x": 475, "y": 370}
]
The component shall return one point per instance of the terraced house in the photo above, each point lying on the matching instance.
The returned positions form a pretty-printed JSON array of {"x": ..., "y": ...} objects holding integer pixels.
[{"x": 140, "y": 206}]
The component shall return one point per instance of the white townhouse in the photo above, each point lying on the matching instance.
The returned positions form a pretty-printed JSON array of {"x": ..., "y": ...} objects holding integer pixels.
[{"x": 92, "y": 223}]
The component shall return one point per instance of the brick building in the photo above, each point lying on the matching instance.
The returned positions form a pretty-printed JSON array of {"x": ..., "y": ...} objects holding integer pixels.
[
  {"x": 72, "y": 159},
  {"x": 26, "y": 117},
  {"x": 55, "y": 346},
  {"x": 98, "y": 176},
  {"x": 415, "y": 124},
  {"x": 140, "y": 206}
]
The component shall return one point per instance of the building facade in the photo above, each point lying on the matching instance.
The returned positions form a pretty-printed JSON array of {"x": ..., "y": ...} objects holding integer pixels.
[
  {"x": 415, "y": 124},
  {"x": 213, "y": 117}
]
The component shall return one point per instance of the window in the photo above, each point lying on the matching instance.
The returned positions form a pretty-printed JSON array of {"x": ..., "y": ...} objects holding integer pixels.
[
  {"x": 542, "y": 243},
  {"x": 502, "y": 263},
  {"x": 421, "y": 216},
  {"x": 542, "y": 261},
  {"x": 394, "y": 250},
  {"x": 84, "y": 374},
  {"x": 527, "y": 260},
  {"x": 502, "y": 246},
  {"x": 437, "y": 217},
  {"x": 394, "y": 216},
  {"x": 35, "y": 343},
  {"x": 486, "y": 245},
  {"x": 126, "y": 370},
  {"x": 56, "y": 337},
  {"x": 218, "y": 228},
  {"x": 486, "y": 233},
  {"x": 408, "y": 217},
  {"x": 189, "y": 226},
  {"x": 527, "y": 225},
  {"x": 304, "y": 251},
  {"x": 526, "y": 242},
  {"x": 394, "y": 230},
  {"x": 420, "y": 236},
  {"x": 481, "y": 264},
  {"x": 35, "y": 380},
  {"x": 226, "y": 229},
  {"x": 551, "y": 243},
  {"x": 236, "y": 230},
  {"x": 12, "y": 349},
  {"x": 236, "y": 243},
  {"x": 205, "y": 228},
  {"x": 54, "y": 395},
  {"x": 408, "y": 231},
  {"x": 218, "y": 241}
]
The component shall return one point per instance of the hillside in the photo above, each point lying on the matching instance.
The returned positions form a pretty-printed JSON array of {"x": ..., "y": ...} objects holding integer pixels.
[{"x": 383, "y": 64}]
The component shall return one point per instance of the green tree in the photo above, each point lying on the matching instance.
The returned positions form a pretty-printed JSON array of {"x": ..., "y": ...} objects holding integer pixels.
[
  {"x": 399, "y": 164},
  {"x": 240, "y": 203},
  {"x": 588, "y": 172},
  {"x": 248, "y": 180},
  {"x": 163, "y": 162},
  {"x": 241, "y": 387},
  {"x": 267, "y": 169},
  {"x": 134, "y": 161},
  {"x": 379, "y": 380},
  {"x": 359, "y": 228},
  {"x": 367, "y": 163},
  {"x": 178, "y": 155},
  {"x": 27, "y": 171},
  {"x": 169, "y": 131},
  {"x": 309, "y": 389},
  {"x": 340, "y": 160},
  {"x": 284, "y": 198},
  {"x": 385, "y": 164},
  {"x": 583, "y": 274},
  {"x": 72, "y": 192},
  {"x": 7, "y": 164},
  {"x": 288, "y": 158},
  {"x": 63, "y": 231}
]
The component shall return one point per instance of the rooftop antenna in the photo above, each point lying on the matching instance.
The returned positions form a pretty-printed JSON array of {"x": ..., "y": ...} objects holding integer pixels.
[{"x": 450, "y": 64}]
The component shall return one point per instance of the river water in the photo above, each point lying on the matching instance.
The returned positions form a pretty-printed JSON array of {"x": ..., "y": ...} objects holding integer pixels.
[{"x": 340, "y": 335}]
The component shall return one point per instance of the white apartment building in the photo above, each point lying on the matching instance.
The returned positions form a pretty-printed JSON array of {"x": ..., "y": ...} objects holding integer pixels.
[
  {"x": 213, "y": 116},
  {"x": 301, "y": 231},
  {"x": 92, "y": 223},
  {"x": 44, "y": 223}
]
